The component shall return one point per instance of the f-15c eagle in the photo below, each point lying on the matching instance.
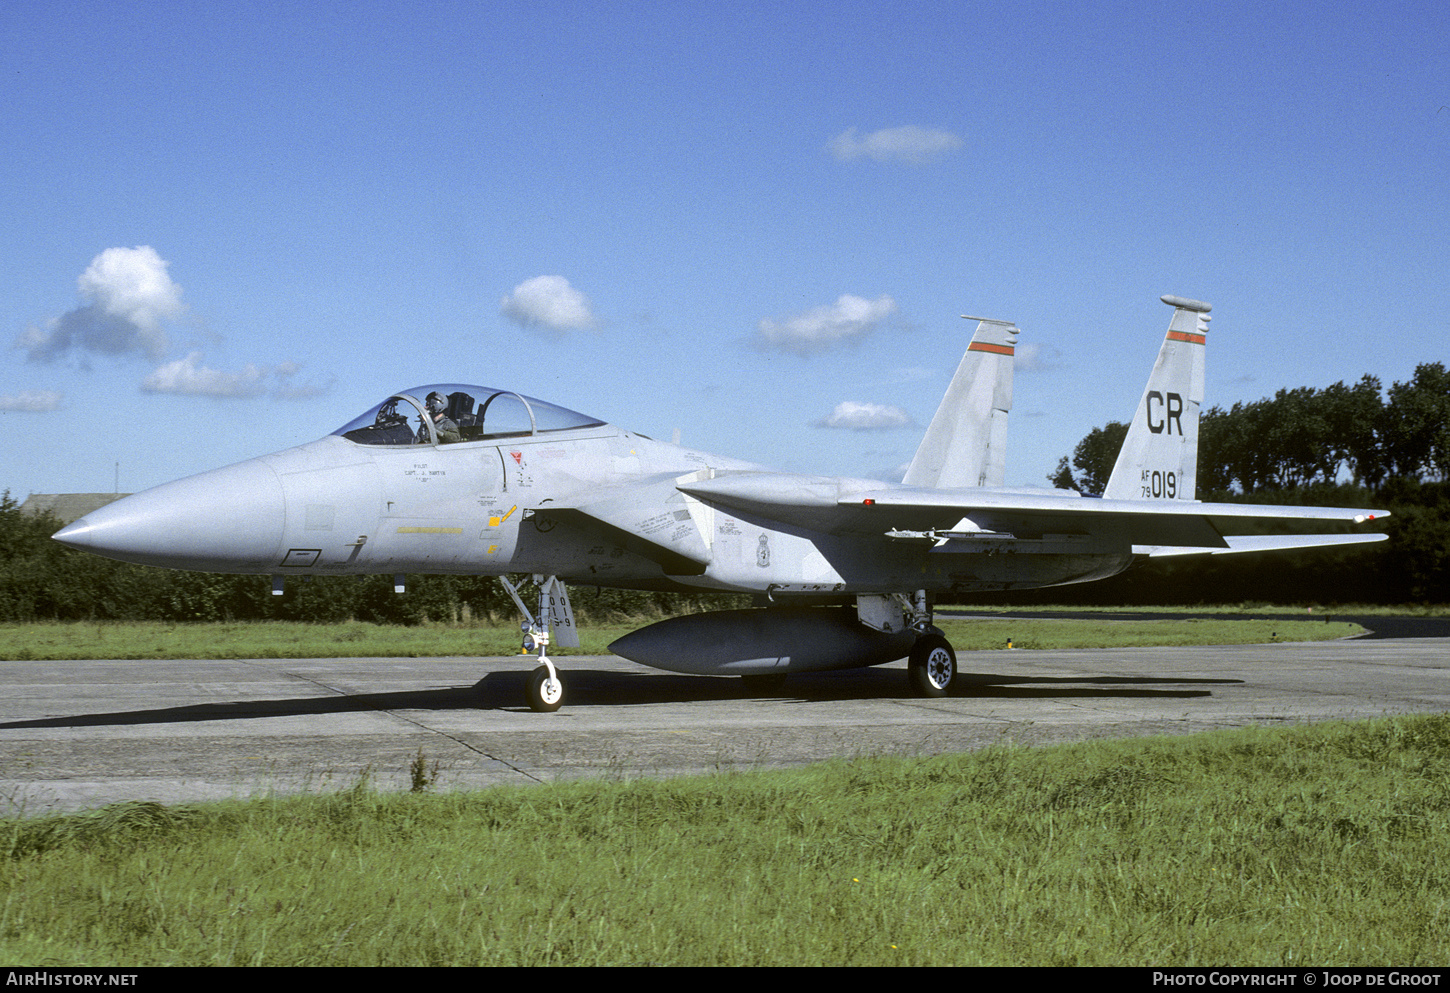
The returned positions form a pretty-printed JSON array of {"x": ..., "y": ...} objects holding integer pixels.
[{"x": 472, "y": 480}]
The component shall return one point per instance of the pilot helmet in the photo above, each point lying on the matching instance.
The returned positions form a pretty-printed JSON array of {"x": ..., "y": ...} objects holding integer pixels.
[{"x": 435, "y": 402}]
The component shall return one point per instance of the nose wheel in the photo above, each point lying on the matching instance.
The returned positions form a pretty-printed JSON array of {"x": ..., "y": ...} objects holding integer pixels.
[
  {"x": 545, "y": 692},
  {"x": 932, "y": 666}
]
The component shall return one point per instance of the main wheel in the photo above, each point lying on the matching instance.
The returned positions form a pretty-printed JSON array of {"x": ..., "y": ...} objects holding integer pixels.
[
  {"x": 545, "y": 694},
  {"x": 932, "y": 667}
]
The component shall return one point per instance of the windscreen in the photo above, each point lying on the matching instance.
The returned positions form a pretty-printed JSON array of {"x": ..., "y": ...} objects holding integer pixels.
[{"x": 448, "y": 413}]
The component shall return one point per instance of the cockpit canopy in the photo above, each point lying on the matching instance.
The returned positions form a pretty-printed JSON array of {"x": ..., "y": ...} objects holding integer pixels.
[{"x": 458, "y": 413}]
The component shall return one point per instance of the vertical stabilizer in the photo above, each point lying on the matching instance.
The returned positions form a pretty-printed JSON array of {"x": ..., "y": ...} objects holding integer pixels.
[
  {"x": 966, "y": 442},
  {"x": 1159, "y": 457}
]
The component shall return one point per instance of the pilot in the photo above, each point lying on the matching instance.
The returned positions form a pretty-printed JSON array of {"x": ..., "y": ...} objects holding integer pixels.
[{"x": 443, "y": 425}]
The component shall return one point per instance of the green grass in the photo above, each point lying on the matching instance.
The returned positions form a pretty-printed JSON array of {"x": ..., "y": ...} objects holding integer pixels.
[
  {"x": 266, "y": 640},
  {"x": 1314, "y": 611},
  {"x": 1322, "y": 845},
  {"x": 983, "y": 634},
  {"x": 288, "y": 639}
]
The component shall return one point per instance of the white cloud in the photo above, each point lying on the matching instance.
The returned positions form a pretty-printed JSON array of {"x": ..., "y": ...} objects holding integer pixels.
[
  {"x": 129, "y": 298},
  {"x": 285, "y": 389},
  {"x": 128, "y": 295},
  {"x": 909, "y": 143},
  {"x": 855, "y": 415},
  {"x": 548, "y": 302},
  {"x": 36, "y": 401},
  {"x": 824, "y": 327},
  {"x": 1031, "y": 358},
  {"x": 188, "y": 377},
  {"x": 192, "y": 377},
  {"x": 132, "y": 283}
]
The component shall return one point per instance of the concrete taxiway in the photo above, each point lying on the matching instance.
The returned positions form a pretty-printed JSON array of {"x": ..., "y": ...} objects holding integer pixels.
[{"x": 85, "y": 733}]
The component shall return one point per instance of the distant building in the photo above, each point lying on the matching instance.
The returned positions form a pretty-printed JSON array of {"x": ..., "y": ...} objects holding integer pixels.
[{"x": 67, "y": 506}]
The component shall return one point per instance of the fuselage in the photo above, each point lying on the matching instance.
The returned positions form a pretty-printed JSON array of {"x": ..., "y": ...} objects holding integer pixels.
[{"x": 500, "y": 483}]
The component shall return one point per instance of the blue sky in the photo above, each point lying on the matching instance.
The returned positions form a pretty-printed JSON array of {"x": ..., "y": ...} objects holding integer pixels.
[{"x": 231, "y": 227}]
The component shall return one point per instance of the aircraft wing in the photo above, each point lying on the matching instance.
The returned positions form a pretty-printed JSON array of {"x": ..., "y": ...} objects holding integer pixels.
[{"x": 867, "y": 507}]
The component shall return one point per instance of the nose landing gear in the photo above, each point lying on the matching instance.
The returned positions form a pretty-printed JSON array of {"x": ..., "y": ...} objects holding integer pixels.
[{"x": 544, "y": 692}]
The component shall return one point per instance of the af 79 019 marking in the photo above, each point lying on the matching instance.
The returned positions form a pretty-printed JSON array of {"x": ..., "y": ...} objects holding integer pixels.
[{"x": 1160, "y": 485}]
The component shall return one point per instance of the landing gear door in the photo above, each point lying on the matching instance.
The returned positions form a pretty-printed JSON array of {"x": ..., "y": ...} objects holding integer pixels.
[
  {"x": 561, "y": 614},
  {"x": 881, "y": 613}
]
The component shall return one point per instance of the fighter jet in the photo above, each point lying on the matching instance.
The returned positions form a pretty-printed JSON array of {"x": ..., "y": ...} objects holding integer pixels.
[{"x": 473, "y": 480}]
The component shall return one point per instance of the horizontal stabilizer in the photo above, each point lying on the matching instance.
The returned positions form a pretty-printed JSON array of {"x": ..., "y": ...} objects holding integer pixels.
[
  {"x": 1260, "y": 543},
  {"x": 859, "y": 506}
]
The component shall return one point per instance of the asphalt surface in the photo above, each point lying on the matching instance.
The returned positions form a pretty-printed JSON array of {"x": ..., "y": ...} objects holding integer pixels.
[
  {"x": 82, "y": 734},
  {"x": 1376, "y": 625}
]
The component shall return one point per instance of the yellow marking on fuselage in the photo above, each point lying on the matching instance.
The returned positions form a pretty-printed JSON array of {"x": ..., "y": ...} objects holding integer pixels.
[{"x": 494, "y": 522}]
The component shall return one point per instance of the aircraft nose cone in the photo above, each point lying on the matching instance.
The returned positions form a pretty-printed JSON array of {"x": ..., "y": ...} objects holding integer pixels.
[{"x": 226, "y": 520}]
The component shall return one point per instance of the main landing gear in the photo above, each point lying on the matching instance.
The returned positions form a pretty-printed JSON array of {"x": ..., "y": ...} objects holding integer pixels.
[{"x": 932, "y": 666}]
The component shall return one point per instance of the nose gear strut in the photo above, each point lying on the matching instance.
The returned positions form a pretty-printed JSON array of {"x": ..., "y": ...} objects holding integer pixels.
[{"x": 545, "y": 690}]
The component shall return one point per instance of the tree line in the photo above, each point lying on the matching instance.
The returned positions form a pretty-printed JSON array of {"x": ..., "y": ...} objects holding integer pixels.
[
  {"x": 1302, "y": 437},
  {"x": 1345, "y": 445},
  {"x": 1342, "y": 446}
]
